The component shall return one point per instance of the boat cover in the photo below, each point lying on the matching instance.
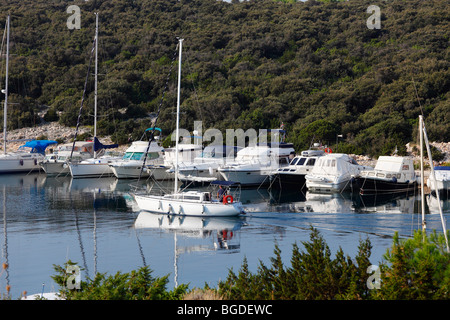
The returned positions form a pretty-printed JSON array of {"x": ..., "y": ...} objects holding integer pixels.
[{"x": 38, "y": 146}]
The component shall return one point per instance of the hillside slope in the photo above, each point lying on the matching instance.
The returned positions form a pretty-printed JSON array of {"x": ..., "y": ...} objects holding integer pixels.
[{"x": 313, "y": 66}]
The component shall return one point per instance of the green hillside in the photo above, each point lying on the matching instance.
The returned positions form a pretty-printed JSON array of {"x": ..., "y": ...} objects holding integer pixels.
[{"x": 314, "y": 66}]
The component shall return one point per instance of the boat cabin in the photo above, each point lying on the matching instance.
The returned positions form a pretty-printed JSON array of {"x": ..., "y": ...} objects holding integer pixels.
[{"x": 400, "y": 169}]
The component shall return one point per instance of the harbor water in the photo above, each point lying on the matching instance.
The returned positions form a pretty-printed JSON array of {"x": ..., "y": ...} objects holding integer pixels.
[{"x": 96, "y": 223}]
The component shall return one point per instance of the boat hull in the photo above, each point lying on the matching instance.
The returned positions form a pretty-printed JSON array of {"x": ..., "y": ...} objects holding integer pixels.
[
  {"x": 90, "y": 170},
  {"x": 128, "y": 171},
  {"x": 159, "y": 172},
  {"x": 246, "y": 177},
  {"x": 55, "y": 168},
  {"x": 329, "y": 186},
  {"x": 20, "y": 163},
  {"x": 291, "y": 180},
  {"x": 160, "y": 204},
  {"x": 378, "y": 186}
]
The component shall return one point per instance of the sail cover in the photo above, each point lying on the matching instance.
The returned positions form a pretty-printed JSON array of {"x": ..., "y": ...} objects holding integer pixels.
[{"x": 98, "y": 145}]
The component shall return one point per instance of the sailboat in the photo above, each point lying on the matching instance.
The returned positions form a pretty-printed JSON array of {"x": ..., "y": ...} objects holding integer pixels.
[
  {"x": 190, "y": 203},
  {"x": 20, "y": 160},
  {"x": 96, "y": 166}
]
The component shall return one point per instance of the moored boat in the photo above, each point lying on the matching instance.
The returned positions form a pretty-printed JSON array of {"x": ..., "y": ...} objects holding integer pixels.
[
  {"x": 190, "y": 203},
  {"x": 442, "y": 174},
  {"x": 56, "y": 163},
  {"x": 293, "y": 175},
  {"x": 391, "y": 174},
  {"x": 334, "y": 172},
  {"x": 130, "y": 166}
]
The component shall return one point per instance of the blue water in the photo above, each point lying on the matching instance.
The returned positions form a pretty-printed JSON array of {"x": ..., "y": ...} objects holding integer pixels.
[{"x": 96, "y": 223}]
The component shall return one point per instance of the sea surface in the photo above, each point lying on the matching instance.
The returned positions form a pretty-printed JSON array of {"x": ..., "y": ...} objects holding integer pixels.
[{"x": 97, "y": 224}]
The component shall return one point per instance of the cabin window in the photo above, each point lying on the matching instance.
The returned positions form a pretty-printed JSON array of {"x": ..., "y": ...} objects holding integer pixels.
[
  {"x": 191, "y": 197},
  {"x": 294, "y": 161},
  {"x": 301, "y": 161},
  {"x": 333, "y": 163},
  {"x": 137, "y": 156},
  {"x": 127, "y": 155},
  {"x": 380, "y": 175},
  {"x": 152, "y": 155},
  {"x": 405, "y": 167},
  {"x": 311, "y": 162}
]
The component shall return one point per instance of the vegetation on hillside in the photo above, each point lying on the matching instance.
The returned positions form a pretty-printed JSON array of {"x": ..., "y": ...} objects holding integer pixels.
[{"x": 313, "y": 66}]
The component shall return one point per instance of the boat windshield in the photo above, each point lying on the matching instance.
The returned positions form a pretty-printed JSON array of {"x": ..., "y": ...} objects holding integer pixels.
[{"x": 139, "y": 155}]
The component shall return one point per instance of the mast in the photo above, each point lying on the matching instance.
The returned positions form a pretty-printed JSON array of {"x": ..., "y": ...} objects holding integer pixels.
[
  {"x": 5, "y": 91},
  {"x": 422, "y": 178},
  {"x": 178, "y": 116},
  {"x": 96, "y": 74},
  {"x": 443, "y": 222}
]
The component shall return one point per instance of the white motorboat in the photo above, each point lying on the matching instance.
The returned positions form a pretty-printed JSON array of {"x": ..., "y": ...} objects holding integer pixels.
[
  {"x": 254, "y": 164},
  {"x": 334, "y": 172},
  {"x": 56, "y": 163},
  {"x": 130, "y": 166},
  {"x": 294, "y": 174},
  {"x": 442, "y": 174},
  {"x": 205, "y": 167},
  {"x": 191, "y": 203},
  {"x": 391, "y": 174},
  {"x": 187, "y": 152}
]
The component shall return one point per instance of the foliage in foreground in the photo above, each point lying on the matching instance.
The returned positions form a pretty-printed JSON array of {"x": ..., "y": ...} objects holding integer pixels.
[
  {"x": 313, "y": 275},
  {"x": 416, "y": 268},
  {"x": 135, "y": 285}
]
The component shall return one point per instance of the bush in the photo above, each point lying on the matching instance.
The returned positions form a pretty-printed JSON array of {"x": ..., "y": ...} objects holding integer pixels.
[
  {"x": 135, "y": 285},
  {"x": 313, "y": 275},
  {"x": 418, "y": 269}
]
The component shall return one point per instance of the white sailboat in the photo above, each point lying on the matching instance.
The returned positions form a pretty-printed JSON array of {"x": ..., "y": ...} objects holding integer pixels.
[
  {"x": 191, "y": 203},
  {"x": 96, "y": 166},
  {"x": 20, "y": 160},
  {"x": 56, "y": 163}
]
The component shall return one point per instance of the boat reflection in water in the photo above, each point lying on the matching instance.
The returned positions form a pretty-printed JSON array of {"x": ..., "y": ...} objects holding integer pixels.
[
  {"x": 344, "y": 202},
  {"x": 222, "y": 233}
]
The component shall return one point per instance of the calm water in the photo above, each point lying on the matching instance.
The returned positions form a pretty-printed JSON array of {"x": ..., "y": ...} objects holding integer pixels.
[{"x": 96, "y": 223}]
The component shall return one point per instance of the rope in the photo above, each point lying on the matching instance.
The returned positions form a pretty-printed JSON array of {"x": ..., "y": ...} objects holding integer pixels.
[
  {"x": 152, "y": 133},
  {"x": 82, "y": 99}
]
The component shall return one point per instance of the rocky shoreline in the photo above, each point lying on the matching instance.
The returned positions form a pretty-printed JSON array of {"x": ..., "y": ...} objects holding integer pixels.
[
  {"x": 50, "y": 131},
  {"x": 55, "y": 131}
]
